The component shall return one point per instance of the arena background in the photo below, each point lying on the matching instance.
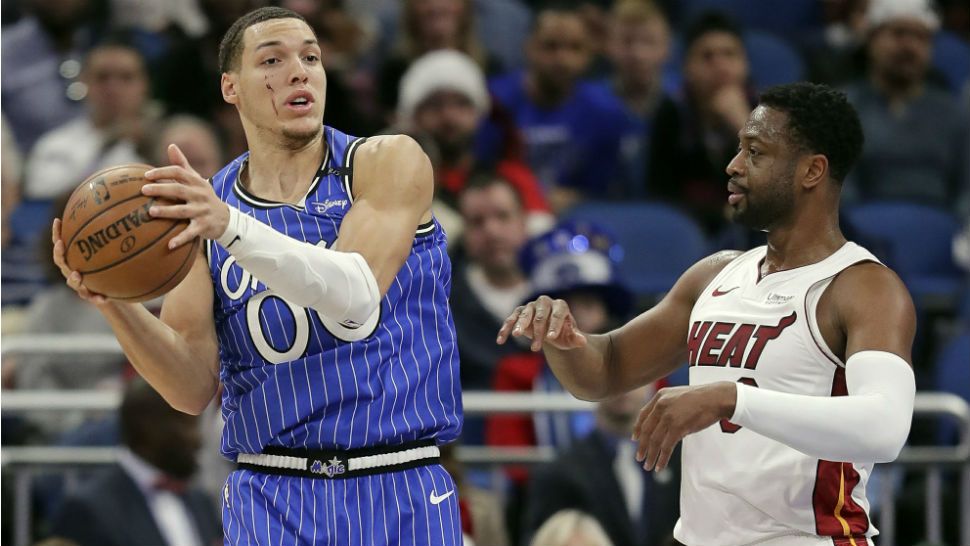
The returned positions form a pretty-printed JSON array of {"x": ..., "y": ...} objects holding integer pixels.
[{"x": 609, "y": 125}]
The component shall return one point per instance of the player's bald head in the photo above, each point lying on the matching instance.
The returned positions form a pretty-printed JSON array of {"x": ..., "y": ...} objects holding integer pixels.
[{"x": 231, "y": 47}]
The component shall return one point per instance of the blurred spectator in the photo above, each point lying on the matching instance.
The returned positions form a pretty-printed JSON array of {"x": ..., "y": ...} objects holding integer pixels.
[
  {"x": 916, "y": 134},
  {"x": 571, "y": 528},
  {"x": 488, "y": 283},
  {"x": 572, "y": 128},
  {"x": 575, "y": 262},
  {"x": 836, "y": 56},
  {"x": 158, "y": 17},
  {"x": 197, "y": 141},
  {"x": 639, "y": 43},
  {"x": 482, "y": 517},
  {"x": 343, "y": 41},
  {"x": 41, "y": 62},
  {"x": 11, "y": 170},
  {"x": 694, "y": 139},
  {"x": 145, "y": 499},
  {"x": 58, "y": 310},
  {"x": 110, "y": 132},
  {"x": 188, "y": 76},
  {"x": 600, "y": 475},
  {"x": 444, "y": 99},
  {"x": 430, "y": 25}
]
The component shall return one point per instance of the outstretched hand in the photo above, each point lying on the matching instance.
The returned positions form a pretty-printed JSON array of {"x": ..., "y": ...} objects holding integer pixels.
[
  {"x": 543, "y": 321},
  {"x": 194, "y": 199}
]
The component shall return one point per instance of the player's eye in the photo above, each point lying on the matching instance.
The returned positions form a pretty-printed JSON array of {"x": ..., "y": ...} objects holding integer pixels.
[
  {"x": 753, "y": 152},
  {"x": 271, "y": 61},
  {"x": 312, "y": 58}
]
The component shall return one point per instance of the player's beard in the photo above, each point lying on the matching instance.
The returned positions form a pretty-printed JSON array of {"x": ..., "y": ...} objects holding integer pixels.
[{"x": 769, "y": 206}]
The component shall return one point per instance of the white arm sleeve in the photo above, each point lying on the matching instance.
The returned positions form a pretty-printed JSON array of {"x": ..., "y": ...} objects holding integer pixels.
[
  {"x": 870, "y": 425},
  {"x": 340, "y": 285}
]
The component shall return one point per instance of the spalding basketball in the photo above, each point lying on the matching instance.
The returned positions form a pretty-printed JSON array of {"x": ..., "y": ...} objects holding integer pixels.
[{"x": 110, "y": 239}]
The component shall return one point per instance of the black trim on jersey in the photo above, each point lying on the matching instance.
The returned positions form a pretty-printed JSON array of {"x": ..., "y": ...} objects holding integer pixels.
[
  {"x": 425, "y": 229},
  {"x": 256, "y": 202},
  {"x": 315, "y": 456},
  {"x": 349, "y": 167}
]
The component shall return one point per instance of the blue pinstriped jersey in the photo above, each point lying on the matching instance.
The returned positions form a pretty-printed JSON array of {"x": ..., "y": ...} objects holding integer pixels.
[{"x": 295, "y": 378}]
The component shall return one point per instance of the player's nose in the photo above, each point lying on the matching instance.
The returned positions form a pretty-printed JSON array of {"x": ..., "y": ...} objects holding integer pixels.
[
  {"x": 736, "y": 166},
  {"x": 299, "y": 74}
]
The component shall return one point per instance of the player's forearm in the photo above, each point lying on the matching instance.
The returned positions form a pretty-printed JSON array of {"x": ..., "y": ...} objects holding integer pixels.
[
  {"x": 868, "y": 425},
  {"x": 585, "y": 371},
  {"x": 170, "y": 363},
  {"x": 338, "y": 284}
]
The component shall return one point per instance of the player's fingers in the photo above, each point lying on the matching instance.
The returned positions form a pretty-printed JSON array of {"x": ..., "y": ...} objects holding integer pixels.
[
  {"x": 645, "y": 431},
  {"x": 665, "y": 451},
  {"x": 172, "y": 172},
  {"x": 506, "y": 329},
  {"x": 176, "y": 156},
  {"x": 56, "y": 230},
  {"x": 169, "y": 190},
  {"x": 187, "y": 235},
  {"x": 641, "y": 419},
  {"x": 59, "y": 260},
  {"x": 557, "y": 318},
  {"x": 653, "y": 444},
  {"x": 540, "y": 322},
  {"x": 174, "y": 211},
  {"x": 523, "y": 325}
]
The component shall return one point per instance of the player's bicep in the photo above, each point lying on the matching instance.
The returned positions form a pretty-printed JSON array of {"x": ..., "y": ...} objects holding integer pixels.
[
  {"x": 393, "y": 187},
  {"x": 654, "y": 344},
  {"x": 187, "y": 310},
  {"x": 876, "y": 311}
]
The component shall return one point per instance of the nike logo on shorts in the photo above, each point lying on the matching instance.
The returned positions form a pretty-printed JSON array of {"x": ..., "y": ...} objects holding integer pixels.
[{"x": 436, "y": 500}]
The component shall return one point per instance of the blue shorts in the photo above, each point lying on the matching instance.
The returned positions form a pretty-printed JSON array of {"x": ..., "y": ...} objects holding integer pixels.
[{"x": 417, "y": 506}]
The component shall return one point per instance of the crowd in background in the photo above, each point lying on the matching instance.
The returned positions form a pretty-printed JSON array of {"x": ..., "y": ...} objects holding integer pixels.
[{"x": 544, "y": 122}]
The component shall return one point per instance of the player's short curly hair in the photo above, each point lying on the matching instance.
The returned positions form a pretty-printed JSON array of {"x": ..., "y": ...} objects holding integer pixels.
[
  {"x": 820, "y": 121},
  {"x": 230, "y": 49}
]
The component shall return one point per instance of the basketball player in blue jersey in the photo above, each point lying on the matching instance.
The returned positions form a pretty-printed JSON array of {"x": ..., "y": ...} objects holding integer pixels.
[{"x": 320, "y": 304}]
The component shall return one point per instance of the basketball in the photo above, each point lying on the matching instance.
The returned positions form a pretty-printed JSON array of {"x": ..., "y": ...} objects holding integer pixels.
[{"x": 110, "y": 238}]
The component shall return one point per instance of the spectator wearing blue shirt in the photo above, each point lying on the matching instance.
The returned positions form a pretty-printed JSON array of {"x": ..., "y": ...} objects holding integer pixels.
[
  {"x": 41, "y": 63},
  {"x": 638, "y": 47},
  {"x": 572, "y": 129}
]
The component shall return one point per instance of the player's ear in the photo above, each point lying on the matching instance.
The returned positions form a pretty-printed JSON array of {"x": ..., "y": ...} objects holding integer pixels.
[
  {"x": 228, "y": 85},
  {"x": 815, "y": 169}
]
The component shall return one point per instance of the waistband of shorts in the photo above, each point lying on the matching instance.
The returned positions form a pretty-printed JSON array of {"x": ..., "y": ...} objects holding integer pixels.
[{"x": 325, "y": 465}]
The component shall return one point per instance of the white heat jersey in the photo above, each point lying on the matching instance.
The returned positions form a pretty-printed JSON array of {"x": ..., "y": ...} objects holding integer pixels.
[{"x": 739, "y": 487}]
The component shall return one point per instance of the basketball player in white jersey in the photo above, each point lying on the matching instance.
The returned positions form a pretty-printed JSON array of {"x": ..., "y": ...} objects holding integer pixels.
[{"x": 799, "y": 352}]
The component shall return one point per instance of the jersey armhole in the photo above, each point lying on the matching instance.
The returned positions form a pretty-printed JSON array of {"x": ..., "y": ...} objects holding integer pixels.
[{"x": 812, "y": 296}]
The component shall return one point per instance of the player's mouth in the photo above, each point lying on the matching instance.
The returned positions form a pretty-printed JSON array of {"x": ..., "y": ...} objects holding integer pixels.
[
  {"x": 299, "y": 102},
  {"x": 735, "y": 193}
]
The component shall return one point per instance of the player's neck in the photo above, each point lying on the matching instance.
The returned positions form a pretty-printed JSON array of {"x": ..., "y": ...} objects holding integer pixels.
[
  {"x": 282, "y": 174},
  {"x": 808, "y": 239}
]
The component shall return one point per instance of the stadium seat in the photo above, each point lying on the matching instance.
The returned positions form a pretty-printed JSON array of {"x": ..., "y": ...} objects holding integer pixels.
[
  {"x": 773, "y": 60},
  {"x": 951, "y": 56},
  {"x": 917, "y": 240},
  {"x": 795, "y": 16},
  {"x": 659, "y": 242}
]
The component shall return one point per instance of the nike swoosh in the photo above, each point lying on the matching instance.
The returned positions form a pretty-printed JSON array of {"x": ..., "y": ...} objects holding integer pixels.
[
  {"x": 233, "y": 241},
  {"x": 435, "y": 499},
  {"x": 718, "y": 293}
]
